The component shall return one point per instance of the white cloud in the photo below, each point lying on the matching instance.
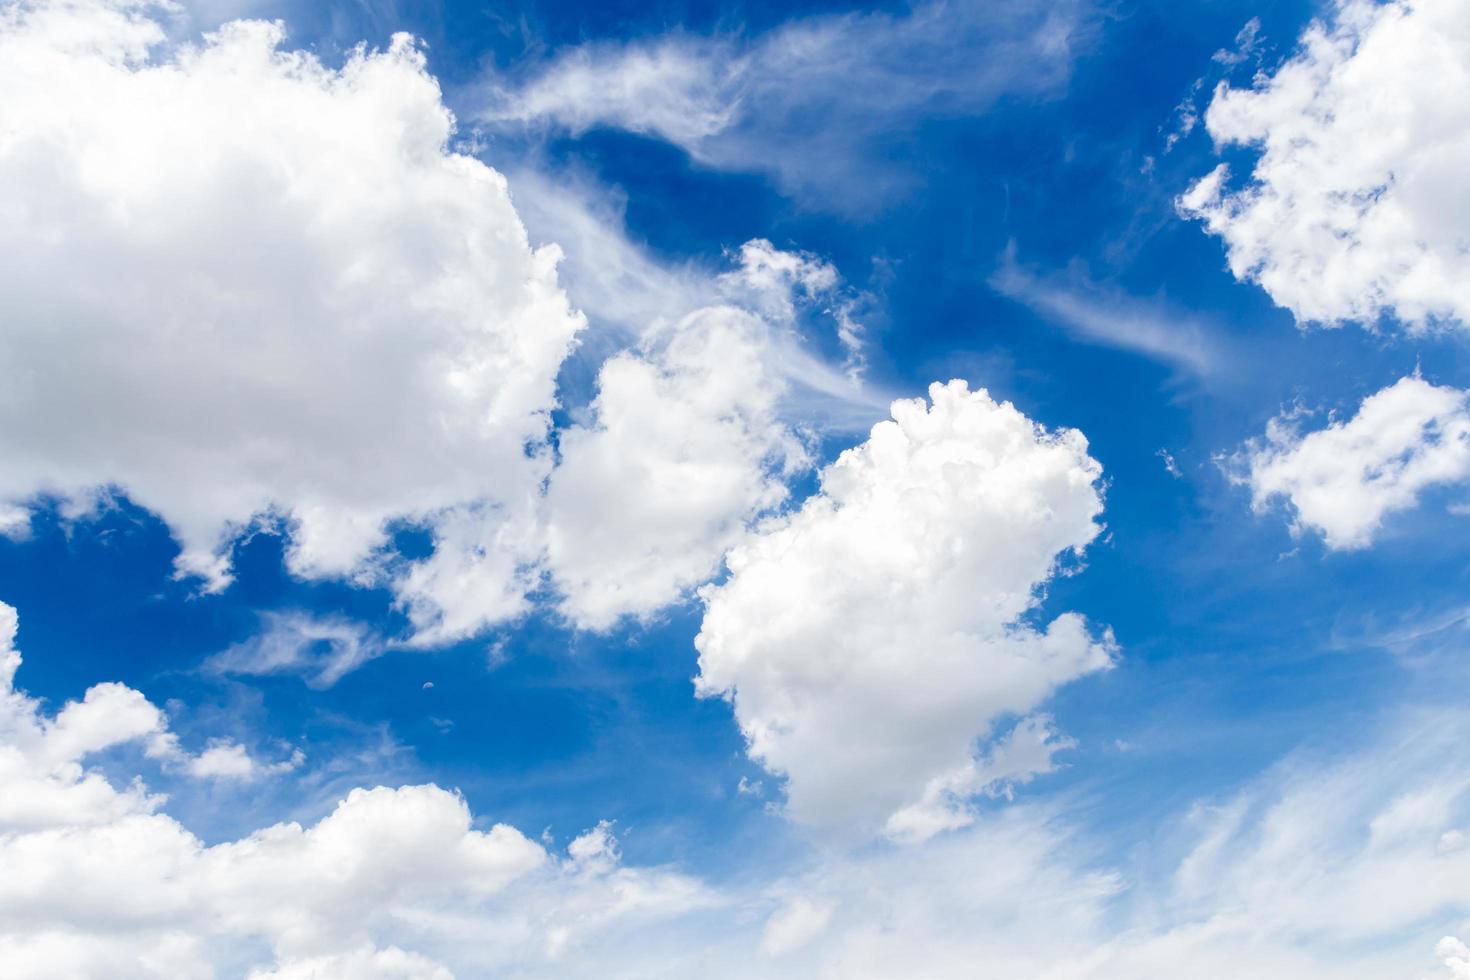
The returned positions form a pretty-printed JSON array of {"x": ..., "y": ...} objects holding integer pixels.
[
  {"x": 362, "y": 964},
  {"x": 1357, "y": 206},
  {"x": 40, "y": 756},
  {"x": 15, "y": 522},
  {"x": 1097, "y": 315},
  {"x": 685, "y": 451},
  {"x": 628, "y": 291},
  {"x": 795, "y": 924},
  {"x": 1344, "y": 479},
  {"x": 784, "y": 103},
  {"x": 867, "y": 640},
  {"x": 1024, "y": 753},
  {"x": 1318, "y": 870},
  {"x": 1456, "y": 957},
  {"x": 100, "y": 883},
  {"x": 300, "y": 309},
  {"x": 223, "y": 759},
  {"x": 323, "y": 648},
  {"x": 685, "y": 447},
  {"x": 240, "y": 283}
]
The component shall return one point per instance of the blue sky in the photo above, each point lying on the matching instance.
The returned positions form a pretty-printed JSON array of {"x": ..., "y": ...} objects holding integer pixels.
[{"x": 448, "y": 398}]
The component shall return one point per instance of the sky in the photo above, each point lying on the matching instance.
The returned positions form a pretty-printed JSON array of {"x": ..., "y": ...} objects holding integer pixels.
[{"x": 735, "y": 490}]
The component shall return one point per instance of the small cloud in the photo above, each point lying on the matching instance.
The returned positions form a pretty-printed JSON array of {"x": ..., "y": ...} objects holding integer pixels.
[
  {"x": 1170, "y": 463},
  {"x": 15, "y": 522},
  {"x": 1097, "y": 314},
  {"x": 1246, "y": 41},
  {"x": 226, "y": 760},
  {"x": 323, "y": 649}
]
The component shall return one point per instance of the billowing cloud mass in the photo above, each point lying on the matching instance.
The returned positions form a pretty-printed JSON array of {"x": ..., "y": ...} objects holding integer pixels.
[
  {"x": 685, "y": 451},
  {"x": 1352, "y": 869},
  {"x": 99, "y": 882},
  {"x": 239, "y": 283},
  {"x": 685, "y": 447},
  {"x": 1345, "y": 479},
  {"x": 244, "y": 288},
  {"x": 785, "y": 103},
  {"x": 867, "y": 640},
  {"x": 1357, "y": 206}
]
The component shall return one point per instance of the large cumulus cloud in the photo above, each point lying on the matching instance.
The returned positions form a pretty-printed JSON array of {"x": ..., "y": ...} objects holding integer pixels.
[{"x": 868, "y": 639}]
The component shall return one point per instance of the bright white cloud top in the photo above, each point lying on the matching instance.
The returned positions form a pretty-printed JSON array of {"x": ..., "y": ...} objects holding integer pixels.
[
  {"x": 246, "y": 287},
  {"x": 1343, "y": 480},
  {"x": 686, "y": 449},
  {"x": 1356, "y": 208},
  {"x": 241, "y": 283},
  {"x": 868, "y": 639}
]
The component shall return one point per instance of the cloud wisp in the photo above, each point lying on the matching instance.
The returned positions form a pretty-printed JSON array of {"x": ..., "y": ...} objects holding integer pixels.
[{"x": 783, "y": 102}]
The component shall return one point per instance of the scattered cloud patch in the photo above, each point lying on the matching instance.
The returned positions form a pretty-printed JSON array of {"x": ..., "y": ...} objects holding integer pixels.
[
  {"x": 1356, "y": 208},
  {"x": 101, "y": 882},
  {"x": 1343, "y": 480}
]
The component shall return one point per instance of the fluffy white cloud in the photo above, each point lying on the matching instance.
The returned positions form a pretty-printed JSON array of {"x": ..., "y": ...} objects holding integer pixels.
[
  {"x": 1357, "y": 206},
  {"x": 685, "y": 448},
  {"x": 685, "y": 451},
  {"x": 245, "y": 287},
  {"x": 867, "y": 640},
  {"x": 1456, "y": 957},
  {"x": 241, "y": 284},
  {"x": 41, "y": 780},
  {"x": 1344, "y": 479},
  {"x": 100, "y": 883},
  {"x": 784, "y": 102},
  {"x": 1335, "y": 871}
]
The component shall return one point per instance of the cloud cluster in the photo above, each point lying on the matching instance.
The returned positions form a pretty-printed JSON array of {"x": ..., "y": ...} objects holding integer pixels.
[
  {"x": 1346, "y": 478},
  {"x": 100, "y": 883},
  {"x": 246, "y": 288},
  {"x": 1351, "y": 869},
  {"x": 868, "y": 639},
  {"x": 783, "y": 102},
  {"x": 40, "y": 755},
  {"x": 1356, "y": 208}
]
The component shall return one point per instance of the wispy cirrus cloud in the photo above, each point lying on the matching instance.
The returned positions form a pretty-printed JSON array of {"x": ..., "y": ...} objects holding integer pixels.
[
  {"x": 785, "y": 103},
  {"x": 1104, "y": 315}
]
